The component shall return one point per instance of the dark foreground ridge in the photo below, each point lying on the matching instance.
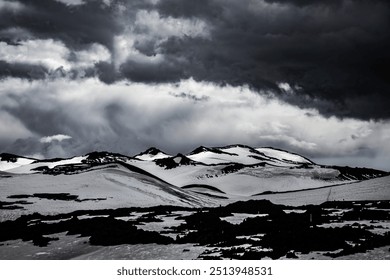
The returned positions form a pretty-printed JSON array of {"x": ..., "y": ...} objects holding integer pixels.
[{"x": 252, "y": 229}]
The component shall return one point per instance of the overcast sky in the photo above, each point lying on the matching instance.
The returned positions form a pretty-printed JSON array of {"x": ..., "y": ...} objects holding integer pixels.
[{"x": 310, "y": 77}]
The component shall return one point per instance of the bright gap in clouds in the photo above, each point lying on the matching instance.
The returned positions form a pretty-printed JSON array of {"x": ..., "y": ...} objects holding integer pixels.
[
  {"x": 53, "y": 54},
  {"x": 130, "y": 117},
  {"x": 58, "y": 137}
]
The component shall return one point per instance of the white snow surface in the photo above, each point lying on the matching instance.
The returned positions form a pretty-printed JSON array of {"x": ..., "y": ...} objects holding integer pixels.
[
  {"x": 248, "y": 156},
  {"x": 238, "y": 155},
  {"x": 238, "y": 218},
  {"x": 77, "y": 247},
  {"x": 27, "y": 168},
  {"x": 282, "y": 155},
  {"x": 119, "y": 187},
  {"x": 6, "y": 166},
  {"x": 169, "y": 221},
  {"x": 247, "y": 181},
  {"x": 373, "y": 189},
  {"x": 150, "y": 157}
]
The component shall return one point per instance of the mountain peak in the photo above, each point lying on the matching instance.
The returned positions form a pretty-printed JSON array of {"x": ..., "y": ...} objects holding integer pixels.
[
  {"x": 202, "y": 149},
  {"x": 152, "y": 151},
  {"x": 282, "y": 155},
  {"x": 151, "y": 154},
  {"x": 235, "y": 146},
  {"x": 175, "y": 161},
  {"x": 103, "y": 157},
  {"x": 97, "y": 154},
  {"x": 198, "y": 150}
]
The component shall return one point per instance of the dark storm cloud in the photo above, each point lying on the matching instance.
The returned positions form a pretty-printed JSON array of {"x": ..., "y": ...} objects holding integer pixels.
[
  {"x": 26, "y": 71},
  {"x": 201, "y": 8},
  {"x": 76, "y": 26},
  {"x": 335, "y": 51},
  {"x": 170, "y": 71},
  {"x": 334, "y": 54},
  {"x": 306, "y": 2},
  {"x": 106, "y": 72}
]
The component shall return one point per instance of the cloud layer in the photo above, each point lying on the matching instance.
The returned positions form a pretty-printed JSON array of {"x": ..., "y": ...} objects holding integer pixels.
[
  {"x": 311, "y": 76},
  {"x": 335, "y": 53},
  {"x": 130, "y": 117}
]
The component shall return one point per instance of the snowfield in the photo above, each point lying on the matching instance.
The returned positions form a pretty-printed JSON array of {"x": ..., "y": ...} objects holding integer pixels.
[
  {"x": 29, "y": 167},
  {"x": 248, "y": 180},
  {"x": 225, "y": 155},
  {"x": 205, "y": 177},
  {"x": 374, "y": 189},
  {"x": 152, "y": 154},
  {"x": 99, "y": 188},
  {"x": 212, "y": 203},
  {"x": 246, "y": 155},
  {"x": 9, "y": 165},
  {"x": 283, "y": 155}
]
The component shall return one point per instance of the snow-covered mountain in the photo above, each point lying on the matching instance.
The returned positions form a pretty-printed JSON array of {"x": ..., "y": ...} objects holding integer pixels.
[
  {"x": 113, "y": 185},
  {"x": 376, "y": 189},
  {"x": 151, "y": 154},
  {"x": 239, "y": 170},
  {"x": 224, "y": 167},
  {"x": 234, "y": 171},
  {"x": 246, "y": 155},
  {"x": 214, "y": 197},
  {"x": 205, "y": 177}
]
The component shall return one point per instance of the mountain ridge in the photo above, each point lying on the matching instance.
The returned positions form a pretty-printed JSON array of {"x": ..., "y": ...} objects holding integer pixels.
[
  {"x": 237, "y": 170},
  {"x": 100, "y": 180},
  {"x": 105, "y": 156}
]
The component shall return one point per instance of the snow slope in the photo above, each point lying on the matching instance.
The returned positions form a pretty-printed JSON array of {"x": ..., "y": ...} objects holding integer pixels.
[
  {"x": 9, "y": 162},
  {"x": 283, "y": 155},
  {"x": 151, "y": 154},
  {"x": 247, "y": 180},
  {"x": 235, "y": 171},
  {"x": 29, "y": 168},
  {"x": 113, "y": 186},
  {"x": 373, "y": 189},
  {"x": 239, "y": 170},
  {"x": 223, "y": 155},
  {"x": 246, "y": 155}
]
